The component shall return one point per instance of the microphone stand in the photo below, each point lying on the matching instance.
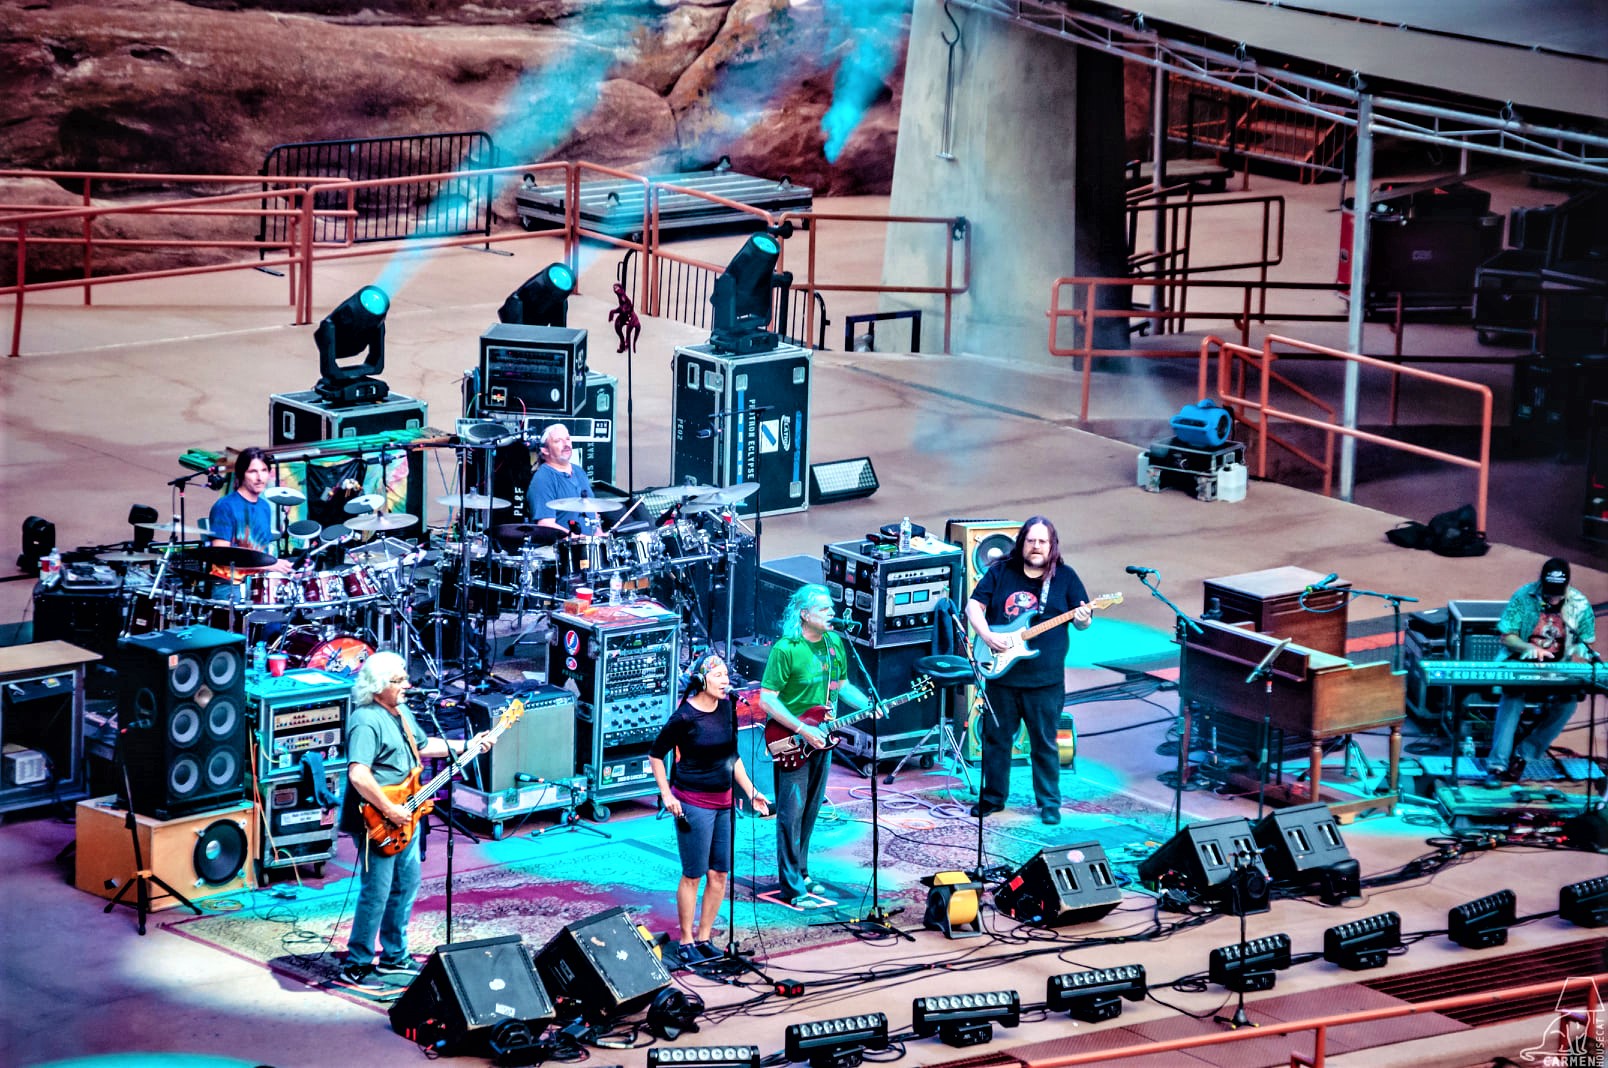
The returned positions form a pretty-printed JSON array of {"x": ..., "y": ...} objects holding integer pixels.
[
  {"x": 1242, "y": 870},
  {"x": 1182, "y": 625},
  {"x": 452, "y": 810},
  {"x": 877, "y": 919},
  {"x": 981, "y": 684},
  {"x": 1263, "y": 672}
]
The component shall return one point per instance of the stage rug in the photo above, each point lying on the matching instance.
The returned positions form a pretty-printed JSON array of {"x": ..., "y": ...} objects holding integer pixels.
[{"x": 534, "y": 886}]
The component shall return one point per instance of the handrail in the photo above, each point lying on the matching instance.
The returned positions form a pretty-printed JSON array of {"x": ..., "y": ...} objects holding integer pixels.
[
  {"x": 1232, "y": 356},
  {"x": 301, "y": 249},
  {"x": 1321, "y": 1025},
  {"x": 1267, "y": 411}
]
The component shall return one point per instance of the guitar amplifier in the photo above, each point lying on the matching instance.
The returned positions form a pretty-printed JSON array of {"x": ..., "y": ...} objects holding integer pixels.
[{"x": 893, "y": 596}]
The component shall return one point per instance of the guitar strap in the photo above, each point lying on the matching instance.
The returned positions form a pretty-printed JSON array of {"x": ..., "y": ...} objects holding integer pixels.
[{"x": 407, "y": 732}]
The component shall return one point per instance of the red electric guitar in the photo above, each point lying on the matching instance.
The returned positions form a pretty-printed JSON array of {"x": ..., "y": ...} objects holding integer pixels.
[
  {"x": 390, "y": 839},
  {"x": 790, "y": 751}
]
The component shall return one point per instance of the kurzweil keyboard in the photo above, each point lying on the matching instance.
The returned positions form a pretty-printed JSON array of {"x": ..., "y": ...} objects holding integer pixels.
[{"x": 1506, "y": 673}]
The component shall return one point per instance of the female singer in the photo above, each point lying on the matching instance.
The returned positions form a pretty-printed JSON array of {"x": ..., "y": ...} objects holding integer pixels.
[{"x": 702, "y": 731}]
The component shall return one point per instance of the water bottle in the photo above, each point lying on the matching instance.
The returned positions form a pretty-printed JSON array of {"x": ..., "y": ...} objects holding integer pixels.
[
  {"x": 259, "y": 657},
  {"x": 904, "y": 534},
  {"x": 616, "y": 589}
]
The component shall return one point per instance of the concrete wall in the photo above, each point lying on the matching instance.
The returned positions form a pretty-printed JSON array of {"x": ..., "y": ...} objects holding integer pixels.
[{"x": 1016, "y": 175}]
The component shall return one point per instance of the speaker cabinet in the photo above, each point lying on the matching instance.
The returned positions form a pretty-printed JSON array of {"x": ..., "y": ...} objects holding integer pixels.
[
  {"x": 1201, "y": 858},
  {"x": 1061, "y": 885},
  {"x": 182, "y": 705},
  {"x": 472, "y": 998},
  {"x": 540, "y": 744},
  {"x": 600, "y": 967},
  {"x": 198, "y": 855},
  {"x": 982, "y": 541},
  {"x": 1303, "y": 845}
]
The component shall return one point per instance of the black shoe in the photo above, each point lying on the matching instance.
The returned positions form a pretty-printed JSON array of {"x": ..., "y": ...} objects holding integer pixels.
[
  {"x": 1050, "y": 814},
  {"x": 983, "y": 808},
  {"x": 408, "y": 969},
  {"x": 361, "y": 977},
  {"x": 1514, "y": 772},
  {"x": 707, "y": 953}
]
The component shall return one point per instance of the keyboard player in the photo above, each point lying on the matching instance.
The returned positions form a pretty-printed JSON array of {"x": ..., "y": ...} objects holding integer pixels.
[{"x": 1545, "y": 621}]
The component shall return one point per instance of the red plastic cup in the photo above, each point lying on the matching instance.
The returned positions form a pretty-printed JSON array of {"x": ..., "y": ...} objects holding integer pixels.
[
  {"x": 583, "y": 594},
  {"x": 276, "y": 664}
]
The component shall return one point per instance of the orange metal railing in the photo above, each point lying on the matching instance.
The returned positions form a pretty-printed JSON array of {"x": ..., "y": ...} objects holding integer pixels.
[
  {"x": 299, "y": 202},
  {"x": 1266, "y": 411},
  {"x": 1233, "y": 361},
  {"x": 1321, "y": 1026}
]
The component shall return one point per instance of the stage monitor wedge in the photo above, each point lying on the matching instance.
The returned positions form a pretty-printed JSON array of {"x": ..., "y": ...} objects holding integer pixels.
[{"x": 470, "y": 996}]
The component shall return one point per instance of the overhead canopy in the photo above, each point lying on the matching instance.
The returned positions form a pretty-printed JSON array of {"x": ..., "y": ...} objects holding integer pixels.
[{"x": 1551, "y": 55}]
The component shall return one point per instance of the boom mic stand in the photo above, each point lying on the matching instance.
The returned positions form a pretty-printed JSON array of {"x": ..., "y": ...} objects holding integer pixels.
[
  {"x": 1182, "y": 625},
  {"x": 1243, "y": 869}
]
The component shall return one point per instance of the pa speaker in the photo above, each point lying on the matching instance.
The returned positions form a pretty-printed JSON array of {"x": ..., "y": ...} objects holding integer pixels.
[
  {"x": 1303, "y": 845},
  {"x": 199, "y": 855},
  {"x": 982, "y": 541},
  {"x": 182, "y": 715},
  {"x": 1201, "y": 859},
  {"x": 474, "y": 998},
  {"x": 600, "y": 967},
  {"x": 1061, "y": 885}
]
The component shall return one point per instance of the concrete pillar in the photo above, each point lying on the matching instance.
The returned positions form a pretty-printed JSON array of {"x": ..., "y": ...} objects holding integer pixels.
[{"x": 1037, "y": 141}]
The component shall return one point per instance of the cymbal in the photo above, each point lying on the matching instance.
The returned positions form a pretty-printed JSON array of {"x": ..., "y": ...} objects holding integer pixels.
[
  {"x": 303, "y": 528},
  {"x": 369, "y": 502},
  {"x": 232, "y": 556},
  {"x": 284, "y": 496},
  {"x": 381, "y": 521},
  {"x": 128, "y": 558},
  {"x": 334, "y": 532},
  {"x": 186, "y": 531},
  {"x": 485, "y": 433},
  {"x": 586, "y": 504},
  {"x": 730, "y": 495},
  {"x": 683, "y": 493},
  {"x": 474, "y": 502}
]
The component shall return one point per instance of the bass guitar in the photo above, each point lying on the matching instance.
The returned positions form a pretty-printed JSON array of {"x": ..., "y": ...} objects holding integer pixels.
[
  {"x": 417, "y": 800},
  {"x": 790, "y": 750},
  {"x": 992, "y": 665}
]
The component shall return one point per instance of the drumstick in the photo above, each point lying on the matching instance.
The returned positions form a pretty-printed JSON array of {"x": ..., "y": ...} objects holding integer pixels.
[{"x": 628, "y": 511}]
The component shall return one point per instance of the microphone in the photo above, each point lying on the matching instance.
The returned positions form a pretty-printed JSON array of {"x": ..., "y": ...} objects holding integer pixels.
[
  {"x": 844, "y": 622},
  {"x": 1265, "y": 668},
  {"x": 1323, "y": 583},
  {"x": 1141, "y": 571}
]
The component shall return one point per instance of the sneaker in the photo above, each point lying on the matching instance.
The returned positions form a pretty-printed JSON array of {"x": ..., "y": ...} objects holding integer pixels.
[
  {"x": 408, "y": 968},
  {"x": 362, "y": 977},
  {"x": 813, "y": 887},
  {"x": 707, "y": 953},
  {"x": 1050, "y": 814}
]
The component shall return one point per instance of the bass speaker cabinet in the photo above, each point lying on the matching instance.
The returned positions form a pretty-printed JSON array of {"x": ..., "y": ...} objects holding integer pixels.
[
  {"x": 1201, "y": 859},
  {"x": 1303, "y": 845},
  {"x": 182, "y": 706},
  {"x": 601, "y": 967},
  {"x": 1062, "y": 885},
  {"x": 474, "y": 999},
  {"x": 198, "y": 855},
  {"x": 982, "y": 541}
]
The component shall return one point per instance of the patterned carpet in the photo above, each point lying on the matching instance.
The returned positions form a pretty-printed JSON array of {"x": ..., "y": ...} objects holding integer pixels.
[{"x": 533, "y": 887}]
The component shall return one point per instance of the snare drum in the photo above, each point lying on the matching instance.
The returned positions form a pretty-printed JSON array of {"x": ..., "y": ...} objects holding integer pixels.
[{"x": 313, "y": 647}]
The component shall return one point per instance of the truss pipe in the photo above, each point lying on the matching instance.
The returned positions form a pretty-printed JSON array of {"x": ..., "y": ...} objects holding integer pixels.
[{"x": 1361, "y": 209}]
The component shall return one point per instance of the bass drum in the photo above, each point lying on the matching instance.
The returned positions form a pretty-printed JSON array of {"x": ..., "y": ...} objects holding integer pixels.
[{"x": 313, "y": 647}]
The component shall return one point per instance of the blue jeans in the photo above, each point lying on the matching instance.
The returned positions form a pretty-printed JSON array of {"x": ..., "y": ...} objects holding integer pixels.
[
  {"x": 799, "y": 794},
  {"x": 1556, "y": 709},
  {"x": 384, "y": 903}
]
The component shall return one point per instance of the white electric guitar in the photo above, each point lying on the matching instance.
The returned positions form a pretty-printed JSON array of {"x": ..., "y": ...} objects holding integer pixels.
[{"x": 1018, "y": 631}]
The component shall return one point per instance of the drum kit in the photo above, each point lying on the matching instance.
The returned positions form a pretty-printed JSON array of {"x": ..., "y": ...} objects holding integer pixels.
[{"x": 326, "y": 612}]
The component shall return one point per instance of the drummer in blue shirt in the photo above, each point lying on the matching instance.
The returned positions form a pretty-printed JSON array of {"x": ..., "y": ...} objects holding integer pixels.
[{"x": 559, "y": 477}]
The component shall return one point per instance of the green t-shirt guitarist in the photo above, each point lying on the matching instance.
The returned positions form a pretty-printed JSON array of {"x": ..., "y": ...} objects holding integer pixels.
[{"x": 807, "y": 667}]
